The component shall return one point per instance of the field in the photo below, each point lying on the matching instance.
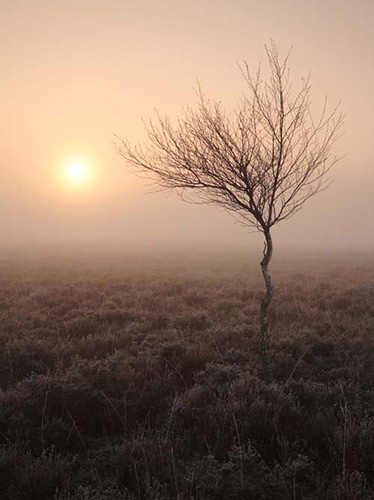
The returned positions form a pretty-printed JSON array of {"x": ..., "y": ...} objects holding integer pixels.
[{"x": 140, "y": 379}]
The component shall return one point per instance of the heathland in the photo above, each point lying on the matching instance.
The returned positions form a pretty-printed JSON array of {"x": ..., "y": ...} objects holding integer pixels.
[{"x": 140, "y": 379}]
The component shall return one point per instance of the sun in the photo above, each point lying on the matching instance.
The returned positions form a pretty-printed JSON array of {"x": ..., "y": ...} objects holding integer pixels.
[{"x": 77, "y": 175}]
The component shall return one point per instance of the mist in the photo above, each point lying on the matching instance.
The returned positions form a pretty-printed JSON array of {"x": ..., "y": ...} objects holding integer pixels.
[{"x": 75, "y": 74}]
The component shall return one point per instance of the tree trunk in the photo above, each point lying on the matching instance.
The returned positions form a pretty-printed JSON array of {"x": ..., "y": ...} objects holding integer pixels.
[{"x": 265, "y": 302}]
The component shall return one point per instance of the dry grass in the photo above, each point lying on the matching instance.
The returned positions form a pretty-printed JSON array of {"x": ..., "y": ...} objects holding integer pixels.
[{"x": 139, "y": 380}]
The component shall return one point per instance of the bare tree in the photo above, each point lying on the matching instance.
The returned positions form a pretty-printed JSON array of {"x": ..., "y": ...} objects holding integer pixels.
[{"x": 261, "y": 163}]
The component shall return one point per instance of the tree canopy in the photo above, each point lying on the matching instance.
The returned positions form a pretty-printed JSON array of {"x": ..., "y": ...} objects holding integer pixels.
[{"x": 262, "y": 162}]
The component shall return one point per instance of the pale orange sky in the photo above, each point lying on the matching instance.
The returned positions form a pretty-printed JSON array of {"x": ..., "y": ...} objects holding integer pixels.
[{"x": 74, "y": 72}]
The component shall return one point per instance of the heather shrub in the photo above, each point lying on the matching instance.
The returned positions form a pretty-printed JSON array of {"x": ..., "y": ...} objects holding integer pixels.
[
  {"x": 22, "y": 357},
  {"x": 92, "y": 493},
  {"x": 38, "y": 478},
  {"x": 137, "y": 381},
  {"x": 192, "y": 321}
]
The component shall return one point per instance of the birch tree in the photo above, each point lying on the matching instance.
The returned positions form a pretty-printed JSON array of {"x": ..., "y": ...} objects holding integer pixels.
[{"x": 261, "y": 162}]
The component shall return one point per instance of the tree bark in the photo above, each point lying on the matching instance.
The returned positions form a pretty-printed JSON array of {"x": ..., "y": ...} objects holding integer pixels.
[{"x": 265, "y": 302}]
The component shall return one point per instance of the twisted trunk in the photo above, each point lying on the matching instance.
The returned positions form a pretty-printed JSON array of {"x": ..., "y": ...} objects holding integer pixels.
[{"x": 265, "y": 303}]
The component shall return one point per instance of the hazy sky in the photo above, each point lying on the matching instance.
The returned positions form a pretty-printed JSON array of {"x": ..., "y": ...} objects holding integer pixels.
[{"x": 75, "y": 72}]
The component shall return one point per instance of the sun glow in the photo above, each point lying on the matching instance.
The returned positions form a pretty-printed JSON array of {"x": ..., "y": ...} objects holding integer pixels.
[{"x": 77, "y": 175}]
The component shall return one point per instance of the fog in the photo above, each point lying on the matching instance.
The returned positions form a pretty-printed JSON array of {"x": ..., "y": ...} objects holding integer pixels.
[{"x": 76, "y": 72}]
